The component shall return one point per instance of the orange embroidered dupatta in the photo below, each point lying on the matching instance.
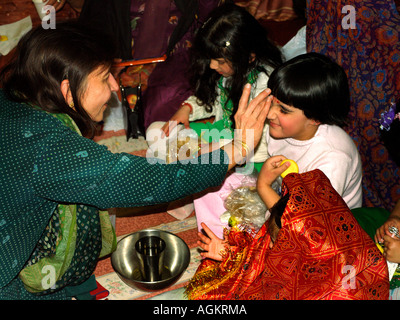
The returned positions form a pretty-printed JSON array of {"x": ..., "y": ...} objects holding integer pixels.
[{"x": 321, "y": 252}]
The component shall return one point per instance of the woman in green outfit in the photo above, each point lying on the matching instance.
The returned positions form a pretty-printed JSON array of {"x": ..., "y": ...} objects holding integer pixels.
[{"x": 55, "y": 182}]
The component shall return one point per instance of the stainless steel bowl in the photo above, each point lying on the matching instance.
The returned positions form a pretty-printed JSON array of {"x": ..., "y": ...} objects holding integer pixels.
[{"x": 126, "y": 263}]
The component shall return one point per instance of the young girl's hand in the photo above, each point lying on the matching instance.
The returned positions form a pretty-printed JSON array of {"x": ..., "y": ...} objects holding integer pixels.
[
  {"x": 211, "y": 244},
  {"x": 270, "y": 170},
  {"x": 181, "y": 116}
]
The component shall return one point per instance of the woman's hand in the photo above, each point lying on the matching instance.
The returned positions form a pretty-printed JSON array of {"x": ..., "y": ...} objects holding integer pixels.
[
  {"x": 382, "y": 231},
  {"x": 250, "y": 122},
  {"x": 181, "y": 116},
  {"x": 212, "y": 245},
  {"x": 252, "y": 116},
  {"x": 391, "y": 249}
]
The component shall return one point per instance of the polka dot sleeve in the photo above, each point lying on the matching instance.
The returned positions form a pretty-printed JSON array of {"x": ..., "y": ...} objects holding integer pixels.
[{"x": 69, "y": 168}]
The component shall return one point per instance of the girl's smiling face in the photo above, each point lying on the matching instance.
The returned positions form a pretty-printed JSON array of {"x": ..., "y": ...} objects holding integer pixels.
[
  {"x": 289, "y": 122},
  {"x": 222, "y": 66}
]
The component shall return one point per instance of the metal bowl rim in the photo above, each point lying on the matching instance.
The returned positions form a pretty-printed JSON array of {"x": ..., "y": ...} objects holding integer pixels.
[{"x": 153, "y": 282}]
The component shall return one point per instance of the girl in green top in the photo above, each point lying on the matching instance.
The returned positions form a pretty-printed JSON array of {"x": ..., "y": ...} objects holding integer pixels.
[{"x": 231, "y": 49}]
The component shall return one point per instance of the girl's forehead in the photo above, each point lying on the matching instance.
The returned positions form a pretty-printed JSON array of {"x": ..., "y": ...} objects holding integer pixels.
[
  {"x": 219, "y": 59},
  {"x": 275, "y": 100}
]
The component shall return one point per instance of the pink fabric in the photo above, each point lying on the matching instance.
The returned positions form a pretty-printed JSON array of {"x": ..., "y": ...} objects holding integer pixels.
[{"x": 209, "y": 207}]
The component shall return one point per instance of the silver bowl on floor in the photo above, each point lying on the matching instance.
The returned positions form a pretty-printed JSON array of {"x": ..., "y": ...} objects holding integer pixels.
[{"x": 128, "y": 262}]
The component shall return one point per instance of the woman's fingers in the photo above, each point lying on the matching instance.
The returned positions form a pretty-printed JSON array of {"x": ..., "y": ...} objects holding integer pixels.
[
  {"x": 256, "y": 105},
  {"x": 244, "y": 99},
  {"x": 252, "y": 115}
]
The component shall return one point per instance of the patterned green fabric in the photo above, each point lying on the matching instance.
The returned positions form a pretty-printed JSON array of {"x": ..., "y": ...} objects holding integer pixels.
[
  {"x": 370, "y": 219},
  {"x": 49, "y": 268},
  {"x": 211, "y": 132},
  {"x": 35, "y": 179}
]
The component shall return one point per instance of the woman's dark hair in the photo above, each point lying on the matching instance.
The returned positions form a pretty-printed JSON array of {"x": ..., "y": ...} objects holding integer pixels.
[
  {"x": 315, "y": 84},
  {"x": 45, "y": 57},
  {"x": 231, "y": 33}
]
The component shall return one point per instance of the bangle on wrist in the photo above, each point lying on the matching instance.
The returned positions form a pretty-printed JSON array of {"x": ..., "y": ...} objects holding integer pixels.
[
  {"x": 187, "y": 104},
  {"x": 246, "y": 149},
  {"x": 239, "y": 146},
  {"x": 243, "y": 147}
]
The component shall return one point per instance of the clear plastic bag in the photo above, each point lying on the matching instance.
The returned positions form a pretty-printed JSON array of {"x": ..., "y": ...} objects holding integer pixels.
[
  {"x": 184, "y": 146},
  {"x": 244, "y": 206}
]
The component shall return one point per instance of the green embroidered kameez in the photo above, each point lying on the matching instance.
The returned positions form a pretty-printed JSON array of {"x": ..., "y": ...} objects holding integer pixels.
[{"x": 54, "y": 185}]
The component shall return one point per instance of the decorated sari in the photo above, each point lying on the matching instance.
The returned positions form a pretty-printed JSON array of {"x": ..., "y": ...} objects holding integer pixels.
[{"x": 320, "y": 253}]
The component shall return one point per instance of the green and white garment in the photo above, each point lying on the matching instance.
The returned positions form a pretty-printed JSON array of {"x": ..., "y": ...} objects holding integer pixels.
[
  {"x": 223, "y": 126},
  {"x": 69, "y": 248}
]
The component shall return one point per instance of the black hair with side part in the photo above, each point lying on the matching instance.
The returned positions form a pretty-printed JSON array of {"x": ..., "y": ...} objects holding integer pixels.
[{"x": 315, "y": 84}]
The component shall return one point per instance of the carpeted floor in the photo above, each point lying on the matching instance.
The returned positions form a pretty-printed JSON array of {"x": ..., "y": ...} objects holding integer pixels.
[{"x": 185, "y": 229}]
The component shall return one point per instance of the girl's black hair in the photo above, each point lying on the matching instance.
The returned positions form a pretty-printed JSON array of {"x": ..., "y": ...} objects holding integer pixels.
[
  {"x": 315, "y": 84},
  {"x": 231, "y": 33},
  {"x": 278, "y": 209},
  {"x": 45, "y": 57}
]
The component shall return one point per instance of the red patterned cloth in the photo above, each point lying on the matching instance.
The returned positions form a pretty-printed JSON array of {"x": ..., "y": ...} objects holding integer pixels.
[{"x": 321, "y": 252}]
